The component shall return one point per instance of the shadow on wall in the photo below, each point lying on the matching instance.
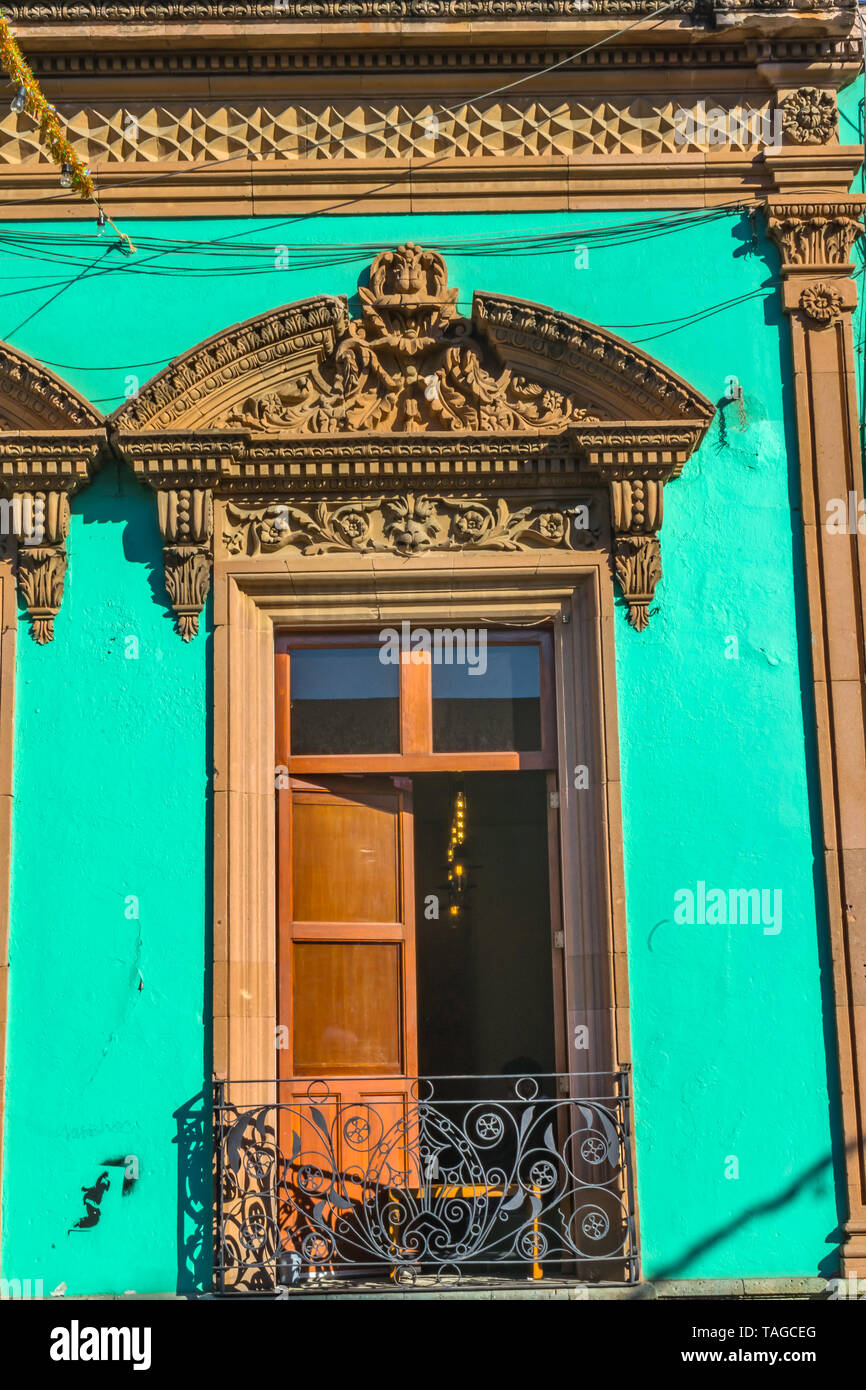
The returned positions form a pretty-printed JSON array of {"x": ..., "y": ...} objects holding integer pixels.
[
  {"x": 108, "y": 499},
  {"x": 195, "y": 1195},
  {"x": 815, "y": 1174}
]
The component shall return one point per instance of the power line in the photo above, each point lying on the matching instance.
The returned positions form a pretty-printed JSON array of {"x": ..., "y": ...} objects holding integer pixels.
[
  {"x": 61, "y": 291},
  {"x": 304, "y": 255}
]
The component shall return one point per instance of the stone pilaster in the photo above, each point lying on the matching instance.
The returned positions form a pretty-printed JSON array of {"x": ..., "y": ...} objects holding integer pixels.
[{"x": 815, "y": 235}]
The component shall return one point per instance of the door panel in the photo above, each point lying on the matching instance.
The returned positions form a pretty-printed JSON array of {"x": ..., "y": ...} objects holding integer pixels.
[
  {"x": 348, "y": 1009},
  {"x": 347, "y": 995},
  {"x": 347, "y": 934},
  {"x": 345, "y": 857}
]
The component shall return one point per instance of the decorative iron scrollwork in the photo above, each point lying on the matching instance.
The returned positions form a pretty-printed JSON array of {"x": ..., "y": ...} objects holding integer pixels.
[{"x": 434, "y": 1183}]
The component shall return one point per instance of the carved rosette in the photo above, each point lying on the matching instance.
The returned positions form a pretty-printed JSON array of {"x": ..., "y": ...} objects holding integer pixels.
[
  {"x": 41, "y": 560},
  {"x": 821, "y": 303},
  {"x": 809, "y": 116},
  {"x": 186, "y": 523}
]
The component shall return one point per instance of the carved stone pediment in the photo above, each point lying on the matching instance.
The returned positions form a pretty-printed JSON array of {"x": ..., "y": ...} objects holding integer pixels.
[
  {"x": 410, "y": 408},
  {"x": 409, "y": 364}
]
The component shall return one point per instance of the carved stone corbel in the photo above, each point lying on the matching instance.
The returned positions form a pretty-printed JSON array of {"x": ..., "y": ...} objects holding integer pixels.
[
  {"x": 636, "y": 515},
  {"x": 186, "y": 523},
  {"x": 636, "y": 460},
  {"x": 41, "y": 565}
]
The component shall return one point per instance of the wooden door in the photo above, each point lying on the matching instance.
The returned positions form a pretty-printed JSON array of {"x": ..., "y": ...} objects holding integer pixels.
[{"x": 347, "y": 998}]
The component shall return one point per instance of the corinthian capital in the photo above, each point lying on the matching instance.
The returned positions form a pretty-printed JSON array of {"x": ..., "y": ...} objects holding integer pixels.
[{"x": 811, "y": 233}]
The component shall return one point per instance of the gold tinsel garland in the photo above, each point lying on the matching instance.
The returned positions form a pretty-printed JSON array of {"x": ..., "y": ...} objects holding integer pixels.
[{"x": 50, "y": 133}]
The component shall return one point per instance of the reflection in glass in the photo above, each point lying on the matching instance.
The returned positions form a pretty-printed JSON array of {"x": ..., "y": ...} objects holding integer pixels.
[
  {"x": 489, "y": 708},
  {"x": 344, "y": 700}
]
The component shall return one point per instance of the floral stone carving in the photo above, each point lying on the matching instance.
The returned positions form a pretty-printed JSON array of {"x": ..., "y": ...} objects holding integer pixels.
[
  {"x": 821, "y": 303},
  {"x": 405, "y": 524},
  {"x": 410, "y": 363},
  {"x": 41, "y": 567},
  {"x": 809, "y": 116},
  {"x": 186, "y": 523}
]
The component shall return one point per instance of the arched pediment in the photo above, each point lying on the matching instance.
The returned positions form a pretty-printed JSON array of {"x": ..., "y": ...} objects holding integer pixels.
[
  {"x": 408, "y": 429},
  {"x": 35, "y": 401},
  {"x": 410, "y": 364}
]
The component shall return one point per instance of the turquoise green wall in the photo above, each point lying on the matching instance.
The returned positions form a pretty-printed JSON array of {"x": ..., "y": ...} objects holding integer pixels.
[
  {"x": 108, "y": 1040},
  {"x": 728, "y": 1039},
  {"x": 851, "y": 103}
]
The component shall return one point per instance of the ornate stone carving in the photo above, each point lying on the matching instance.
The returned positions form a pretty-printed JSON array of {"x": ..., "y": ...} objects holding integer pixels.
[
  {"x": 189, "y": 12},
  {"x": 636, "y": 513},
  {"x": 305, "y": 400},
  {"x": 41, "y": 567},
  {"x": 50, "y": 439},
  {"x": 407, "y": 524},
  {"x": 186, "y": 523},
  {"x": 821, "y": 303},
  {"x": 102, "y": 14},
  {"x": 34, "y": 398},
  {"x": 815, "y": 234},
  {"x": 410, "y": 364},
  {"x": 180, "y": 396},
  {"x": 638, "y": 569},
  {"x": 619, "y": 368},
  {"x": 809, "y": 116},
  {"x": 384, "y": 130}
]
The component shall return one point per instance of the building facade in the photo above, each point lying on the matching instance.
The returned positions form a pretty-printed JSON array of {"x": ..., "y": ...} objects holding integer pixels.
[{"x": 518, "y": 343}]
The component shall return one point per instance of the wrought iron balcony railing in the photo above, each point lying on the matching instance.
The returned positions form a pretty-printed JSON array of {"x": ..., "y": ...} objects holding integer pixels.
[{"x": 421, "y": 1181}]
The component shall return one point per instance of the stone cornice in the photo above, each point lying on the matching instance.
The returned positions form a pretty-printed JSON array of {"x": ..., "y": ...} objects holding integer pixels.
[
  {"x": 103, "y": 14},
  {"x": 835, "y": 55}
]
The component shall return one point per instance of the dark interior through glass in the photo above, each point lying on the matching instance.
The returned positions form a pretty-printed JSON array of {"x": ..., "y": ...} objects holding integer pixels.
[
  {"x": 491, "y": 706},
  {"x": 485, "y": 985},
  {"x": 344, "y": 700}
]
